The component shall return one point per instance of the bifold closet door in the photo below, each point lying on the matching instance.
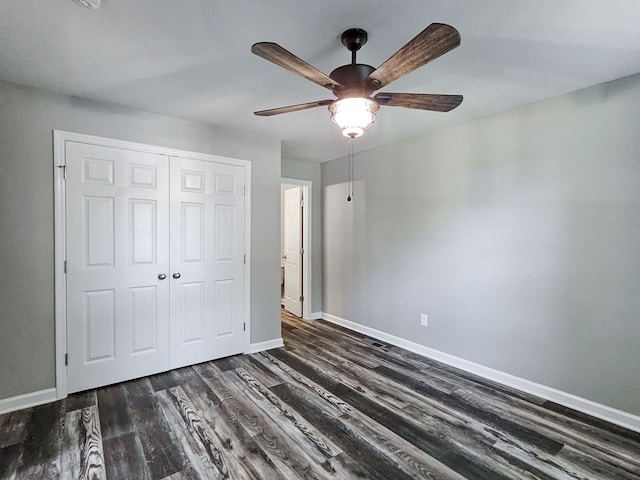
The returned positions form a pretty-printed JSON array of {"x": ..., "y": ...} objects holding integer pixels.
[
  {"x": 207, "y": 261},
  {"x": 117, "y": 217}
]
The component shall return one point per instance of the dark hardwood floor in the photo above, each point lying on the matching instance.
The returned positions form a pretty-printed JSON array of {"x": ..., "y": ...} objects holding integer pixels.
[{"x": 331, "y": 404}]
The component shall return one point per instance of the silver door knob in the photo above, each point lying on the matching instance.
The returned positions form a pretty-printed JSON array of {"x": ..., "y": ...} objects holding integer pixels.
[
  {"x": 162, "y": 276},
  {"x": 176, "y": 275}
]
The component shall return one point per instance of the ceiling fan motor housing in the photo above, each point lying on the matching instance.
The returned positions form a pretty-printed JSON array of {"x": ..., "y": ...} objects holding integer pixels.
[{"x": 352, "y": 77}]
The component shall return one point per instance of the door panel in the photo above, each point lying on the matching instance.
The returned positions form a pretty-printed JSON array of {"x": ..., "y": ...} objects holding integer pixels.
[
  {"x": 223, "y": 295},
  {"x": 193, "y": 312},
  {"x": 292, "y": 249},
  {"x": 117, "y": 206},
  {"x": 223, "y": 243},
  {"x": 193, "y": 233},
  {"x": 207, "y": 251},
  {"x": 99, "y": 231},
  {"x": 144, "y": 233},
  {"x": 100, "y": 323},
  {"x": 144, "y": 303}
]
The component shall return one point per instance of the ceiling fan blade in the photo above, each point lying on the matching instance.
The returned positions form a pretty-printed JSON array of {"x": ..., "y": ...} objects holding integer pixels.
[
  {"x": 420, "y": 101},
  {"x": 285, "y": 59},
  {"x": 292, "y": 108},
  {"x": 434, "y": 41}
]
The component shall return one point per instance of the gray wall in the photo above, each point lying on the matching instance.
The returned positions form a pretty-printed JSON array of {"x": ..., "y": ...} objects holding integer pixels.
[
  {"x": 311, "y": 171},
  {"x": 518, "y": 234},
  {"x": 27, "y": 118}
]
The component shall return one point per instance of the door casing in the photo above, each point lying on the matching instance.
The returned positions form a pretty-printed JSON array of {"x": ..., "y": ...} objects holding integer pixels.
[{"x": 60, "y": 138}]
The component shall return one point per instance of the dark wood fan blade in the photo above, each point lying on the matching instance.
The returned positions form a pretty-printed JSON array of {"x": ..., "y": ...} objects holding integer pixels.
[
  {"x": 285, "y": 59},
  {"x": 293, "y": 108},
  {"x": 434, "y": 41},
  {"x": 420, "y": 101}
]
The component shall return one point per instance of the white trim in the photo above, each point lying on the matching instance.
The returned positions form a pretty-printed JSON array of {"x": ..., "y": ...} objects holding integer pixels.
[
  {"x": 307, "y": 239},
  {"x": 316, "y": 316},
  {"x": 142, "y": 147},
  {"x": 268, "y": 345},
  {"x": 247, "y": 249},
  {"x": 27, "y": 400},
  {"x": 60, "y": 138},
  {"x": 60, "y": 249},
  {"x": 619, "y": 417}
]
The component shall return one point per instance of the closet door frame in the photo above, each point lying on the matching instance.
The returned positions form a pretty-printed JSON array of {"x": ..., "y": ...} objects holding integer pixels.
[{"x": 60, "y": 138}]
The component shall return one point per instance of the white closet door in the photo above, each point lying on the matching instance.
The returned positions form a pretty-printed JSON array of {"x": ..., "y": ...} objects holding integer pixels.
[
  {"x": 117, "y": 214},
  {"x": 292, "y": 250},
  {"x": 207, "y": 261}
]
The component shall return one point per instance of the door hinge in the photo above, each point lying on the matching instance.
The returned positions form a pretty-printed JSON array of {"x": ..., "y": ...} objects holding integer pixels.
[
  {"x": 301, "y": 298},
  {"x": 302, "y": 251},
  {"x": 66, "y": 359},
  {"x": 65, "y": 266},
  {"x": 245, "y": 259},
  {"x": 244, "y": 327},
  {"x": 245, "y": 190},
  {"x": 64, "y": 171}
]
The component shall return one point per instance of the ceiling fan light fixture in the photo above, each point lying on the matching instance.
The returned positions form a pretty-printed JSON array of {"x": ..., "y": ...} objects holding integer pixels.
[{"x": 354, "y": 115}]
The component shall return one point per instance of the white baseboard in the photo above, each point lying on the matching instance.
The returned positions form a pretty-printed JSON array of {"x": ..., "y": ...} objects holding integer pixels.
[
  {"x": 27, "y": 400},
  {"x": 589, "y": 407},
  {"x": 268, "y": 345},
  {"x": 315, "y": 316},
  {"x": 33, "y": 399}
]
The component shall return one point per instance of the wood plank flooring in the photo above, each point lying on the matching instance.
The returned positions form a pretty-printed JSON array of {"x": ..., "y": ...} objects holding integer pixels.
[{"x": 332, "y": 404}]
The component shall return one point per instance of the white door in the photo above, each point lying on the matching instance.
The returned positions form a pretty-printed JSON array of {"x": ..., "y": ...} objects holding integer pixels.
[
  {"x": 117, "y": 211},
  {"x": 207, "y": 261},
  {"x": 292, "y": 250}
]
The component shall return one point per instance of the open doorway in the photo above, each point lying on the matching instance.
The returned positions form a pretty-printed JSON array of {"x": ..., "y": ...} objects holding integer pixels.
[{"x": 295, "y": 246}]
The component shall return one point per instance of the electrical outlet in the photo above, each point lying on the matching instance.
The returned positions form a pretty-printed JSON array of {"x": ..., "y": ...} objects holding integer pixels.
[{"x": 423, "y": 319}]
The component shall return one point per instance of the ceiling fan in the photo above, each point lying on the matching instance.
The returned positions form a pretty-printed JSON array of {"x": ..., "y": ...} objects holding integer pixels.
[{"x": 354, "y": 110}]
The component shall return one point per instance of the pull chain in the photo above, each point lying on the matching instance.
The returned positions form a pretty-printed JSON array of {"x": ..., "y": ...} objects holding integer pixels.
[{"x": 350, "y": 169}]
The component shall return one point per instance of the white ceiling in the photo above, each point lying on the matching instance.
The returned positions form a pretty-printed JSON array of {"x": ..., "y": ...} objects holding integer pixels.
[{"x": 191, "y": 59}]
